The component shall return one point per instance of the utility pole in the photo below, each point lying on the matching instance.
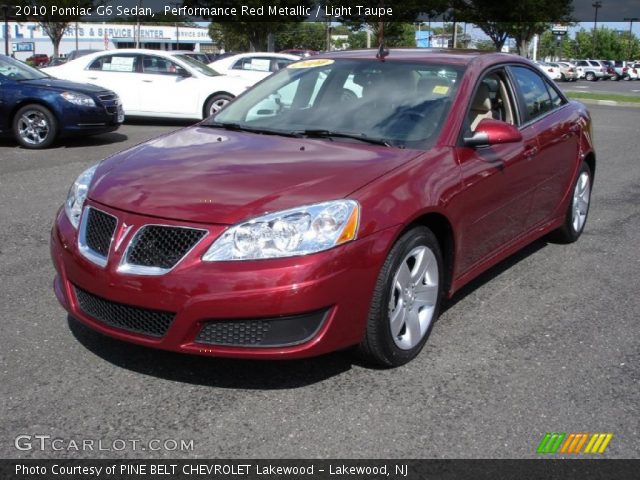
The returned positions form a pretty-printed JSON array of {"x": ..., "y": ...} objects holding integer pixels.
[
  {"x": 5, "y": 12},
  {"x": 596, "y": 5},
  {"x": 630, "y": 20},
  {"x": 138, "y": 24}
]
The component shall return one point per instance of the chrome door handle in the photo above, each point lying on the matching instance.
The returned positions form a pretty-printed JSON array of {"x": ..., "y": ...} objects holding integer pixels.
[
  {"x": 147, "y": 81},
  {"x": 92, "y": 78}
]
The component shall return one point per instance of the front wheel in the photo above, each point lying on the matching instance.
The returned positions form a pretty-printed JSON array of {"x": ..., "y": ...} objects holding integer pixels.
[
  {"x": 590, "y": 76},
  {"x": 576, "y": 216},
  {"x": 216, "y": 103},
  {"x": 34, "y": 126},
  {"x": 405, "y": 301}
]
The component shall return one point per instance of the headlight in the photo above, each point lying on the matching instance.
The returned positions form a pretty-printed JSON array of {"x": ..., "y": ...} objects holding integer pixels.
[
  {"x": 78, "y": 99},
  {"x": 288, "y": 233},
  {"x": 77, "y": 195}
]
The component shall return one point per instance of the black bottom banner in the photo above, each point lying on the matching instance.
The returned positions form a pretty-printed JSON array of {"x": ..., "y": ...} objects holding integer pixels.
[{"x": 204, "y": 469}]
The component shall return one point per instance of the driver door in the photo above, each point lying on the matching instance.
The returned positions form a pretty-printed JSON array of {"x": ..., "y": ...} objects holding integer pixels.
[
  {"x": 167, "y": 87},
  {"x": 497, "y": 179}
]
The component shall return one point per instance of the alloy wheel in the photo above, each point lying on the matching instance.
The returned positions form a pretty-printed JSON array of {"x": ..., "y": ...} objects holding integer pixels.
[
  {"x": 581, "y": 198},
  {"x": 33, "y": 127},
  {"x": 413, "y": 297}
]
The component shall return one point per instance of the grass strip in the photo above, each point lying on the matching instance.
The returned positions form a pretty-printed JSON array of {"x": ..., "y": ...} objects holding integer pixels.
[{"x": 603, "y": 96}]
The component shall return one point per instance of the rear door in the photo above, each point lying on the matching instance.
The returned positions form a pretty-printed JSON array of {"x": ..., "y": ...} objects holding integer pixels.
[
  {"x": 117, "y": 72},
  {"x": 556, "y": 126}
]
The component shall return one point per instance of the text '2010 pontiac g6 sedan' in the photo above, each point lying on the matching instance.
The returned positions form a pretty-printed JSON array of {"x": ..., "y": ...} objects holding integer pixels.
[{"x": 335, "y": 204}]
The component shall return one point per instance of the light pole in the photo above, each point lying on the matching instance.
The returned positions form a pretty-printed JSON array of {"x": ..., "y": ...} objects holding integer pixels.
[
  {"x": 596, "y": 5},
  {"x": 5, "y": 11},
  {"x": 630, "y": 20},
  {"x": 138, "y": 24}
]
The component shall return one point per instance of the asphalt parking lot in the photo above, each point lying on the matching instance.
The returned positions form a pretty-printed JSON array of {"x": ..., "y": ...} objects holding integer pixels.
[
  {"x": 621, "y": 87},
  {"x": 545, "y": 342}
]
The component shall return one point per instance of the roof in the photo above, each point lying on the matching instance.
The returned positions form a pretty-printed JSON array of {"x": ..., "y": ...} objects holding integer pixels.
[{"x": 436, "y": 55}]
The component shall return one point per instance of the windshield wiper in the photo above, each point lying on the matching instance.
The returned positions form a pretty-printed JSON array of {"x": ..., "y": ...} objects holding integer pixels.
[
  {"x": 320, "y": 133},
  {"x": 236, "y": 127}
]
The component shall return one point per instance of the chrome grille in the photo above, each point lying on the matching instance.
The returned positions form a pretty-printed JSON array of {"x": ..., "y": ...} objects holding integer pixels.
[
  {"x": 106, "y": 97},
  {"x": 96, "y": 233},
  {"x": 126, "y": 317},
  {"x": 155, "y": 249}
]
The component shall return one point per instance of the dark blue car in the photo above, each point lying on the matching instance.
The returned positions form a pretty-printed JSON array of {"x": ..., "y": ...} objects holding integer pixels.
[{"x": 37, "y": 109}]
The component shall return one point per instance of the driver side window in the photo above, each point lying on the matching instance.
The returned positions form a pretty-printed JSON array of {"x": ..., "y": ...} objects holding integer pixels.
[{"x": 492, "y": 100}]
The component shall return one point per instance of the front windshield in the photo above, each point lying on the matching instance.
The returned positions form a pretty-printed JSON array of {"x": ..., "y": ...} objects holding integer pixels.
[
  {"x": 402, "y": 104},
  {"x": 15, "y": 70},
  {"x": 198, "y": 66}
]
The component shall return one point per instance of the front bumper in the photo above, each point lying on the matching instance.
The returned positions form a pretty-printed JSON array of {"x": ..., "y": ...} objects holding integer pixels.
[
  {"x": 336, "y": 284},
  {"x": 104, "y": 117}
]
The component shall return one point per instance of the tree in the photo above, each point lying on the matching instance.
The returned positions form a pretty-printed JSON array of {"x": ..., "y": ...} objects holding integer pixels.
[
  {"x": 306, "y": 35},
  {"x": 396, "y": 32},
  {"x": 519, "y": 19},
  {"x": 611, "y": 45},
  {"x": 257, "y": 33},
  {"x": 228, "y": 38},
  {"x": 55, "y": 25}
]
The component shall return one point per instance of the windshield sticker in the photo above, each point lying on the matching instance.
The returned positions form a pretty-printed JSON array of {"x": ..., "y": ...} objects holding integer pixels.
[
  {"x": 319, "y": 62},
  {"x": 441, "y": 89}
]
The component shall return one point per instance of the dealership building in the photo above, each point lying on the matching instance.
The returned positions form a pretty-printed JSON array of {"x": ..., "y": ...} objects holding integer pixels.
[{"x": 27, "y": 38}]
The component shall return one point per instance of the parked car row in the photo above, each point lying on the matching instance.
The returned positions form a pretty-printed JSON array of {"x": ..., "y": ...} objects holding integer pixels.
[
  {"x": 149, "y": 83},
  {"x": 591, "y": 70}
]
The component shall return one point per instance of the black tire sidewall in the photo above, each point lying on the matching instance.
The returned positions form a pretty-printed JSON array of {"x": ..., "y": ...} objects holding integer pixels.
[
  {"x": 53, "y": 126},
  {"x": 212, "y": 100},
  {"x": 388, "y": 352}
]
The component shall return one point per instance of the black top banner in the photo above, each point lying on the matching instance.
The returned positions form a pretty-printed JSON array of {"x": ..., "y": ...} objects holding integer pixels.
[
  {"x": 206, "y": 469},
  {"x": 471, "y": 11}
]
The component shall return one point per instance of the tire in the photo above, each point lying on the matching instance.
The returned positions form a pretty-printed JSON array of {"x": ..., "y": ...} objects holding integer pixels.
[
  {"x": 34, "y": 126},
  {"x": 216, "y": 103},
  {"x": 590, "y": 76},
  {"x": 578, "y": 209},
  {"x": 406, "y": 300},
  {"x": 562, "y": 77},
  {"x": 615, "y": 78}
]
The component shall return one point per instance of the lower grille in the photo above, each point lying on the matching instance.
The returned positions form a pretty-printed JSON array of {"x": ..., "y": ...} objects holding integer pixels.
[
  {"x": 242, "y": 332},
  {"x": 264, "y": 332},
  {"x": 99, "y": 231},
  {"x": 161, "y": 246},
  {"x": 134, "y": 319}
]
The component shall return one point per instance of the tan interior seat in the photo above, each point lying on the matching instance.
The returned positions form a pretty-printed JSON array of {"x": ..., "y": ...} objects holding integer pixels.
[{"x": 480, "y": 107}]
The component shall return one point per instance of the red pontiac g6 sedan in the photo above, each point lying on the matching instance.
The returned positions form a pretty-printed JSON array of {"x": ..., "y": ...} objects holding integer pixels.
[{"x": 333, "y": 205}]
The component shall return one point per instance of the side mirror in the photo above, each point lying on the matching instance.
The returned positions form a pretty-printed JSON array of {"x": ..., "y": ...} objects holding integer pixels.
[{"x": 493, "y": 132}]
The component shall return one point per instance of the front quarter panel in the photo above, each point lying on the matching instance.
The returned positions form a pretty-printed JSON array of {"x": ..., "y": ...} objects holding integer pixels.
[{"x": 427, "y": 184}]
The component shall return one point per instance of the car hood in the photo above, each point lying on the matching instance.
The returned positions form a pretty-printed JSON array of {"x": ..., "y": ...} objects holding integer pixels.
[
  {"x": 62, "y": 85},
  {"x": 208, "y": 175}
]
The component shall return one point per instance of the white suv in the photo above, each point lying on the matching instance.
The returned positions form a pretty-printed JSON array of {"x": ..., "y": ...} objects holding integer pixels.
[{"x": 591, "y": 70}]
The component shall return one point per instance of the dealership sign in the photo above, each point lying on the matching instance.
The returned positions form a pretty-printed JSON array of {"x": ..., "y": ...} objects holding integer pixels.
[{"x": 23, "y": 47}]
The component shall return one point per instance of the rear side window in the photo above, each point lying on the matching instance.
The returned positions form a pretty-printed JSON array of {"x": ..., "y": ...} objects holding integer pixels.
[
  {"x": 538, "y": 96},
  {"x": 115, "y": 63}
]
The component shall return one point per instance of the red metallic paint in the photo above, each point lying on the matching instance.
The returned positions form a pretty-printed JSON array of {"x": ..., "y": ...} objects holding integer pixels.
[{"x": 494, "y": 200}]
